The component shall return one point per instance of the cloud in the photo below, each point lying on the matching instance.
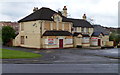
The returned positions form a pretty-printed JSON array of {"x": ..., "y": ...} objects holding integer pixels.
[{"x": 104, "y": 12}]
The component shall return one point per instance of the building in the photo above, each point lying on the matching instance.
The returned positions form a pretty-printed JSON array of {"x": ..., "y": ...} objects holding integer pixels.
[
  {"x": 82, "y": 31},
  {"x": 15, "y": 25},
  {"x": 45, "y": 28},
  {"x": 100, "y": 36},
  {"x": 97, "y": 39}
]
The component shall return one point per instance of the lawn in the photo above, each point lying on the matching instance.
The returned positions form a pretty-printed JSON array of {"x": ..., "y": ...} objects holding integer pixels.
[{"x": 13, "y": 54}]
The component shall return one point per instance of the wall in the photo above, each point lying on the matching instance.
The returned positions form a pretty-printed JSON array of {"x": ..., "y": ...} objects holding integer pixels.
[
  {"x": 33, "y": 30},
  {"x": 109, "y": 43},
  {"x": 16, "y": 41},
  {"x": 85, "y": 41},
  {"x": 77, "y": 41},
  {"x": 94, "y": 41},
  {"x": 105, "y": 39},
  {"x": 31, "y": 33},
  {"x": 56, "y": 41},
  {"x": 51, "y": 25}
]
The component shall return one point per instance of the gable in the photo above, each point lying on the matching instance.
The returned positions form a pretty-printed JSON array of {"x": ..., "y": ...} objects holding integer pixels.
[{"x": 57, "y": 18}]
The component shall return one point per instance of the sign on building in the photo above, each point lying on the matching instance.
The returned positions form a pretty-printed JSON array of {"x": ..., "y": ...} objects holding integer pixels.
[
  {"x": 85, "y": 40},
  {"x": 68, "y": 41},
  {"x": 94, "y": 41},
  {"x": 50, "y": 41}
]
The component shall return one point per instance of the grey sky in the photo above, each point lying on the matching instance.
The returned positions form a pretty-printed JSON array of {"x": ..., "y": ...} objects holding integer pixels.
[{"x": 104, "y": 12}]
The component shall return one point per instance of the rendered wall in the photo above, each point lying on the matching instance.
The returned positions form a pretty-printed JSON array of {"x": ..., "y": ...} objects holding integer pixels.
[
  {"x": 31, "y": 33},
  {"x": 50, "y": 25},
  {"x": 105, "y": 39},
  {"x": 109, "y": 43},
  {"x": 77, "y": 41},
  {"x": 94, "y": 42},
  {"x": 16, "y": 41},
  {"x": 56, "y": 40}
]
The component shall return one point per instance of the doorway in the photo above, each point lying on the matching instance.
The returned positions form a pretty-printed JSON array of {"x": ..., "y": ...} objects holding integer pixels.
[
  {"x": 99, "y": 42},
  {"x": 60, "y": 43}
]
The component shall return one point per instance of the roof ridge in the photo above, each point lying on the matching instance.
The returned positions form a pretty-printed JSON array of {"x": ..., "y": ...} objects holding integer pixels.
[{"x": 75, "y": 19}]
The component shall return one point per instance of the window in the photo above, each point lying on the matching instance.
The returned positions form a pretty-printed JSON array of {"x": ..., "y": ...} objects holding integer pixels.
[
  {"x": 87, "y": 30},
  {"x": 75, "y": 29},
  {"x": 22, "y": 39},
  {"x": 57, "y": 18},
  {"x": 82, "y": 29}
]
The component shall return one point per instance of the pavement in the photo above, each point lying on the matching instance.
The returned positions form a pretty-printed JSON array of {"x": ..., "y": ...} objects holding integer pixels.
[{"x": 67, "y": 56}]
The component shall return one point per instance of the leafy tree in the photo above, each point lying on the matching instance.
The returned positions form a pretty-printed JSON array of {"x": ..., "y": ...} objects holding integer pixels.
[
  {"x": 8, "y": 33},
  {"x": 115, "y": 37}
]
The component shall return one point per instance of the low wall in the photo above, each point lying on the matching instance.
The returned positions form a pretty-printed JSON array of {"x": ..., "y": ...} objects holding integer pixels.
[{"x": 109, "y": 43}]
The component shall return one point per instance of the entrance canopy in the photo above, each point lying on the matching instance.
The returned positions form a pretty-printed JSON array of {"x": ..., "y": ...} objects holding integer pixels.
[{"x": 57, "y": 33}]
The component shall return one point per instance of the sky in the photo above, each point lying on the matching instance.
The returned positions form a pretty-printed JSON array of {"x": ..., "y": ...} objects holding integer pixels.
[{"x": 103, "y": 12}]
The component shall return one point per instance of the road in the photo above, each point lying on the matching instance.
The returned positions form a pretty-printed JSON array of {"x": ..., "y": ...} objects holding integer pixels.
[{"x": 60, "y": 68}]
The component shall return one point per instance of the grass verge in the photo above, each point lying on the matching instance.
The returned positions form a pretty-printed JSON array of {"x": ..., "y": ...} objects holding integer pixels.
[{"x": 13, "y": 54}]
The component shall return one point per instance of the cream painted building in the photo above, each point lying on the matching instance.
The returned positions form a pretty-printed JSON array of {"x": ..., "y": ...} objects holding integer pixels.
[
  {"x": 45, "y": 28},
  {"x": 97, "y": 39},
  {"x": 82, "y": 31},
  {"x": 100, "y": 37}
]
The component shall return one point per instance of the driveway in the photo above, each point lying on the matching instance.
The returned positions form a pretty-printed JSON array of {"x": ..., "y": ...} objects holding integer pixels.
[{"x": 71, "y": 56}]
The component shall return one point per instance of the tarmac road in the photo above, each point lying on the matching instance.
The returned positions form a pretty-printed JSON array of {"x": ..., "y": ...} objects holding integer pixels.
[{"x": 60, "y": 68}]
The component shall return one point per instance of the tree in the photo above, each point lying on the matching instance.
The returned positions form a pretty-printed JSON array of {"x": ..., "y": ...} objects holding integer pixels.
[
  {"x": 8, "y": 33},
  {"x": 115, "y": 37}
]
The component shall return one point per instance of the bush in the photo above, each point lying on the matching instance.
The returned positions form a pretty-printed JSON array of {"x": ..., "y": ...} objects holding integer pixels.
[
  {"x": 115, "y": 37},
  {"x": 8, "y": 33}
]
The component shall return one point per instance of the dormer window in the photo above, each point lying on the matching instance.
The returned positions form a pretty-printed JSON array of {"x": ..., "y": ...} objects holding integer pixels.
[
  {"x": 57, "y": 18},
  {"x": 100, "y": 35}
]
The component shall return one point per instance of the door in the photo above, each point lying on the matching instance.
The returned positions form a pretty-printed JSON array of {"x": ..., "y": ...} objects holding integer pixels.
[
  {"x": 60, "y": 43},
  {"x": 99, "y": 42},
  {"x": 22, "y": 39}
]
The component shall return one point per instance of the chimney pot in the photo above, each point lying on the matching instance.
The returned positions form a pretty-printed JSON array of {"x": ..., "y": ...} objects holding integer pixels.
[
  {"x": 65, "y": 8},
  {"x": 84, "y": 17},
  {"x": 35, "y": 9},
  {"x": 64, "y": 13}
]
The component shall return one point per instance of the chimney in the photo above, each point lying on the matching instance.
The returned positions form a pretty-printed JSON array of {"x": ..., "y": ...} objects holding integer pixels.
[
  {"x": 35, "y": 9},
  {"x": 84, "y": 17},
  {"x": 64, "y": 13}
]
